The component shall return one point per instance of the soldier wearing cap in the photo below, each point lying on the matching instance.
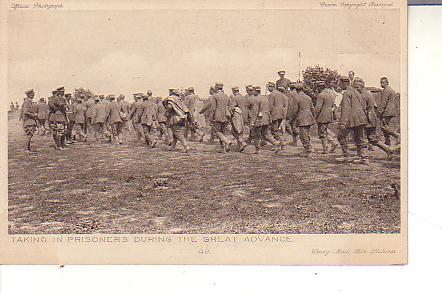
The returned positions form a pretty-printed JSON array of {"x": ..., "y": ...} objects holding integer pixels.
[
  {"x": 220, "y": 119},
  {"x": 191, "y": 99},
  {"x": 261, "y": 121},
  {"x": 135, "y": 114},
  {"x": 162, "y": 121},
  {"x": 29, "y": 110},
  {"x": 207, "y": 110},
  {"x": 90, "y": 105},
  {"x": 353, "y": 120},
  {"x": 250, "y": 102},
  {"x": 236, "y": 106},
  {"x": 372, "y": 119},
  {"x": 278, "y": 110},
  {"x": 387, "y": 110},
  {"x": 125, "y": 112},
  {"x": 148, "y": 119},
  {"x": 70, "y": 115},
  {"x": 176, "y": 113},
  {"x": 42, "y": 115},
  {"x": 282, "y": 81},
  {"x": 303, "y": 110},
  {"x": 291, "y": 116},
  {"x": 99, "y": 118},
  {"x": 58, "y": 118},
  {"x": 114, "y": 118},
  {"x": 79, "y": 113},
  {"x": 324, "y": 113}
]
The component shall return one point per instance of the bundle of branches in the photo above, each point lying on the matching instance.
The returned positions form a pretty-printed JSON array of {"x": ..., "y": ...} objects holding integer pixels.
[{"x": 314, "y": 76}]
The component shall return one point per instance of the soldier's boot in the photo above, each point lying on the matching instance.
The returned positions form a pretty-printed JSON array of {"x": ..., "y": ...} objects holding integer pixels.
[
  {"x": 295, "y": 140},
  {"x": 388, "y": 150},
  {"x": 28, "y": 143},
  {"x": 362, "y": 160},
  {"x": 345, "y": 155},
  {"x": 307, "y": 151},
  {"x": 324, "y": 142},
  {"x": 242, "y": 146},
  {"x": 56, "y": 141},
  {"x": 62, "y": 143}
]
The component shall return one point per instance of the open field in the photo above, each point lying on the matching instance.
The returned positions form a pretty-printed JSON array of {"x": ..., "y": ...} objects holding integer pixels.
[{"x": 96, "y": 187}]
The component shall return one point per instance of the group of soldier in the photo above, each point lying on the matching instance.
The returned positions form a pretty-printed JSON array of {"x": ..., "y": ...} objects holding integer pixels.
[{"x": 264, "y": 118}]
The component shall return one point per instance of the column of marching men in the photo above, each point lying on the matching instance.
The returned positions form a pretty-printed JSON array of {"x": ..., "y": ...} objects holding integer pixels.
[{"x": 253, "y": 119}]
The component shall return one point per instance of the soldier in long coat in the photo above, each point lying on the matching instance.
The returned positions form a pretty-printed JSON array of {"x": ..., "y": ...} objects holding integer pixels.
[
  {"x": 114, "y": 118},
  {"x": 176, "y": 113},
  {"x": 303, "y": 112},
  {"x": 162, "y": 121},
  {"x": 125, "y": 109},
  {"x": 290, "y": 117},
  {"x": 220, "y": 120},
  {"x": 148, "y": 120},
  {"x": 353, "y": 120},
  {"x": 387, "y": 111},
  {"x": 135, "y": 114},
  {"x": 207, "y": 110},
  {"x": 324, "y": 112},
  {"x": 278, "y": 110},
  {"x": 90, "y": 105},
  {"x": 261, "y": 121},
  {"x": 191, "y": 99},
  {"x": 372, "y": 120},
  {"x": 29, "y": 110},
  {"x": 99, "y": 119},
  {"x": 70, "y": 115},
  {"x": 79, "y": 111},
  {"x": 42, "y": 115},
  {"x": 58, "y": 118},
  {"x": 236, "y": 106}
]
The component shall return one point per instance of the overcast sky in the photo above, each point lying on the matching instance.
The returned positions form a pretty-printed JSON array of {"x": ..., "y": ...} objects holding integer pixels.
[{"x": 132, "y": 51}]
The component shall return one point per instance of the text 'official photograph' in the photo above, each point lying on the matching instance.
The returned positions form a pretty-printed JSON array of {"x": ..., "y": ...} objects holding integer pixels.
[{"x": 246, "y": 121}]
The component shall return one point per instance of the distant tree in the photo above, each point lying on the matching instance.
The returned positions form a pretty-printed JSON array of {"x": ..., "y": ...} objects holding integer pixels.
[
  {"x": 314, "y": 75},
  {"x": 81, "y": 90}
]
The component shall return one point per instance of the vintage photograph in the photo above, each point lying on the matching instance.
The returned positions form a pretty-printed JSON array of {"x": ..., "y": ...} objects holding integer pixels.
[{"x": 204, "y": 121}]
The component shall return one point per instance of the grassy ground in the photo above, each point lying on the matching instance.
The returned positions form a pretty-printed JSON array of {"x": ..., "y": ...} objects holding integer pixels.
[{"x": 100, "y": 188}]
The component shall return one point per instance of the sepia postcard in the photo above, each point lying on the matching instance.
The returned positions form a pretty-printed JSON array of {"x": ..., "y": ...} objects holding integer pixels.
[{"x": 203, "y": 132}]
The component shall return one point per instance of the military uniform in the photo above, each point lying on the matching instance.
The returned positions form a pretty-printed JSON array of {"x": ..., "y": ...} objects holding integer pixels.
[
  {"x": 125, "y": 109},
  {"x": 237, "y": 118},
  {"x": 162, "y": 122},
  {"x": 114, "y": 118},
  {"x": 220, "y": 121},
  {"x": 278, "y": 111},
  {"x": 42, "y": 114},
  {"x": 135, "y": 114},
  {"x": 303, "y": 110},
  {"x": 29, "y": 110},
  {"x": 191, "y": 125},
  {"x": 79, "y": 111},
  {"x": 90, "y": 105},
  {"x": 353, "y": 120},
  {"x": 324, "y": 111},
  {"x": 291, "y": 116},
  {"x": 387, "y": 111},
  {"x": 176, "y": 113},
  {"x": 261, "y": 122},
  {"x": 148, "y": 119},
  {"x": 99, "y": 119},
  {"x": 58, "y": 119}
]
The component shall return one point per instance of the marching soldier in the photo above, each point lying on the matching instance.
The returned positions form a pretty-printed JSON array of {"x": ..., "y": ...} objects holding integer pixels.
[
  {"x": 125, "y": 112},
  {"x": 303, "y": 112},
  {"x": 147, "y": 119},
  {"x": 29, "y": 118},
  {"x": 291, "y": 116},
  {"x": 352, "y": 120},
  {"x": 207, "y": 110},
  {"x": 372, "y": 120},
  {"x": 176, "y": 113},
  {"x": 282, "y": 81},
  {"x": 324, "y": 113},
  {"x": 42, "y": 115},
  {"x": 190, "y": 100},
  {"x": 70, "y": 115},
  {"x": 278, "y": 110},
  {"x": 90, "y": 105},
  {"x": 99, "y": 119},
  {"x": 79, "y": 111},
  {"x": 387, "y": 111},
  {"x": 135, "y": 114},
  {"x": 58, "y": 118},
  {"x": 114, "y": 118},
  {"x": 237, "y": 101},
  {"x": 261, "y": 121},
  {"x": 162, "y": 121},
  {"x": 220, "y": 120}
]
